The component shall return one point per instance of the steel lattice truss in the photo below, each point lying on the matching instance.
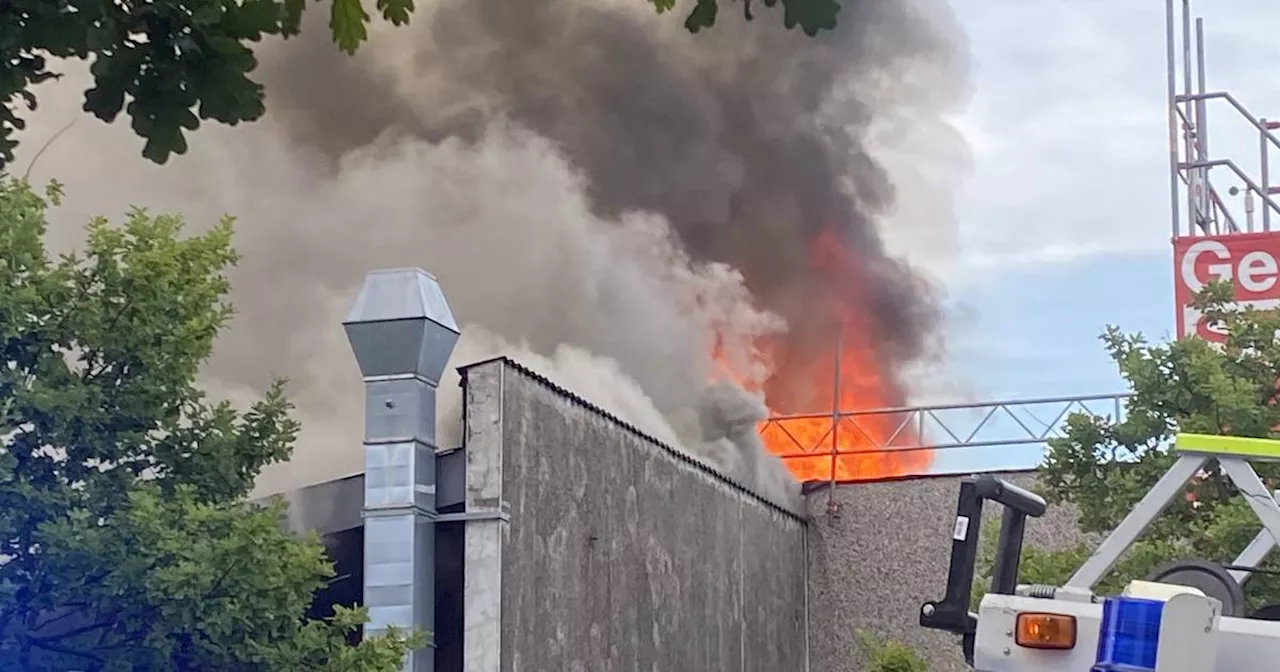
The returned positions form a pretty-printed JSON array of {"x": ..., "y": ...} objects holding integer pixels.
[{"x": 1020, "y": 422}]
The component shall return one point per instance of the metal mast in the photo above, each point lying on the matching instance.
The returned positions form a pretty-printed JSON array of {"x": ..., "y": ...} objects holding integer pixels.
[{"x": 1190, "y": 163}]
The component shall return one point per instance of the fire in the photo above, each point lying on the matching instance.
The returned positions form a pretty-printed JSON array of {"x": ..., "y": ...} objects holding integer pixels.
[
  {"x": 837, "y": 369},
  {"x": 866, "y": 446}
]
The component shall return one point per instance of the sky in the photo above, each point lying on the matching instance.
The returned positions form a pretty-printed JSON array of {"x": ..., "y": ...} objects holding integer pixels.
[{"x": 1064, "y": 220}]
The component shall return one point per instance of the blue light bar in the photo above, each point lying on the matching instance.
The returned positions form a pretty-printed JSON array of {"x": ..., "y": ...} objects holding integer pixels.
[{"x": 1129, "y": 636}]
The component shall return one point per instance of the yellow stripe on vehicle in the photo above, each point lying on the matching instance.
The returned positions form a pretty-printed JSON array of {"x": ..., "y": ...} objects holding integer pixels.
[{"x": 1235, "y": 446}]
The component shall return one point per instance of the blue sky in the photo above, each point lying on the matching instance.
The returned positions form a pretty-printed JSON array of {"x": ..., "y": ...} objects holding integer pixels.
[
  {"x": 1036, "y": 332},
  {"x": 1065, "y": 218},
  {"x": 1036, "y": 336}
]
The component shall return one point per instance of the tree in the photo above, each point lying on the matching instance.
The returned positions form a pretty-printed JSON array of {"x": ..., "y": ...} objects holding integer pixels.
[
  {"x": 1103, "y": 467},
  {"x": 176, "y": 62},
  {"x": 812, "y": 16},
  {"x": 171, "y": 64},
  {"x": 125, "y": 538}
]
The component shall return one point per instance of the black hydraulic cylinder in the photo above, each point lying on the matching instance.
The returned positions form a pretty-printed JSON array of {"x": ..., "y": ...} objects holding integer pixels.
[
  {"x": 952, "y": 613},
  {"x": 1004, "y": 572},
  {"x": 1011, "y": 496}
]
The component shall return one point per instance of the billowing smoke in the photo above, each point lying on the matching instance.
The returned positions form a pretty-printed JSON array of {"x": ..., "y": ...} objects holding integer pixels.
[
  {"x": 599, "y": 192},
  {"x": 749, "y": 139}
]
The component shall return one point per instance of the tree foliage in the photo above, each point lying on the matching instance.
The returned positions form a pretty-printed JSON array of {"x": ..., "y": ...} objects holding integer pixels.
[
  {"x": 125, "y": 539},
  {"x": 811, "y": 16},
  {"x": 889, "y": 656},
  {"x": 171, "y": 64},
  {"x": 1103, "y": 467}
]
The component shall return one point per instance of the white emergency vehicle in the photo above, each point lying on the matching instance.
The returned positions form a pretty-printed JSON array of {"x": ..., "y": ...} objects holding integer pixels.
[{"x": 1188, "y": 616}]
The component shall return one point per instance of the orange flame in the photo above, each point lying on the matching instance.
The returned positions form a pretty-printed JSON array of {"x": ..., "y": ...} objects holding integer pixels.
[{"x": 840, "y": 371}]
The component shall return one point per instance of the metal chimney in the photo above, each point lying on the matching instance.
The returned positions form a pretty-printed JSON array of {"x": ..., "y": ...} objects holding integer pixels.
[{"x": 402, "y": 333}]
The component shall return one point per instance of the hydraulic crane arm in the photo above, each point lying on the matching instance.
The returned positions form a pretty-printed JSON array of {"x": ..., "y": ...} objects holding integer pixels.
[{"x": 1188, "y": 617}]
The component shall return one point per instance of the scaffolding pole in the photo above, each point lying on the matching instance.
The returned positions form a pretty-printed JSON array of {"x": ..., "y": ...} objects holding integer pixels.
[{"x": 1171, "y": 65}]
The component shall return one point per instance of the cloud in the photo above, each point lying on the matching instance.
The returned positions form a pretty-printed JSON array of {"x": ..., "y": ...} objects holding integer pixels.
[{"x": 1068, "y": 126}]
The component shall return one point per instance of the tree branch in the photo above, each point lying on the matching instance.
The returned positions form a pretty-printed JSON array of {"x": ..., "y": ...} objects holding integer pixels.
[
  {"x": 75, "y": 632},
  {"x": 49, "y": 646},
  {"x": 69, "y": 610}
]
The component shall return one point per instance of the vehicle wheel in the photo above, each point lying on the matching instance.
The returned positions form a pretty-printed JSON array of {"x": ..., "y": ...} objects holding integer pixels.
[{"x": 1212, "y": 579}]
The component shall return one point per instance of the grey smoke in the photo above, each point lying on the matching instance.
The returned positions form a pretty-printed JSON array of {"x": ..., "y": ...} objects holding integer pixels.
[
  {"x": 748, "y": 138},
  {"x": 613, "y": 310},
  {"x": 597, "y": 191}
]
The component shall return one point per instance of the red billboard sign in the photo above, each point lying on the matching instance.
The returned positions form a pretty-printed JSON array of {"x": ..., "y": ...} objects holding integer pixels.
[{"x": 1250, "y": 261}]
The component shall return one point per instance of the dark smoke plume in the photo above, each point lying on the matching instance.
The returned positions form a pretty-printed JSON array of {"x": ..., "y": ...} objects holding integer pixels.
[
  {"x": 734, "y": 134},
  {"x": 571, "y": 170}
]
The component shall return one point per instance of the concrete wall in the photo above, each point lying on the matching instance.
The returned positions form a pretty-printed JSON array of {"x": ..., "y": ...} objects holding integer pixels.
[
  {"x": 619, "y": 553},
  {"x": 885, "y": 552},
  {"x": 579, "y": 544}
]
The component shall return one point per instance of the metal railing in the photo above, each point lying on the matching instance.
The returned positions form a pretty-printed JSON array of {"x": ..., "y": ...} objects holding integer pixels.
[{"x": 1019, "y": 422}]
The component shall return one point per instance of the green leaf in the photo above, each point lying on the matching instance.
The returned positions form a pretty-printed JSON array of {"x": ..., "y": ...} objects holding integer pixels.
[
  {"x": 292, "y": 21},
  {"x": 196, "y": 59},
  {"x": 223, "y": 86},
  {"x": 112, "y": 75},
  {"x": 250, "y": 19},
  {"x": 349, "y": 23},
  {"x": 702, "y": 16},
  {"x": 813, "y": 16},
  {"x": 396, "y": 11},
  {"x": 888, "y": 656}
]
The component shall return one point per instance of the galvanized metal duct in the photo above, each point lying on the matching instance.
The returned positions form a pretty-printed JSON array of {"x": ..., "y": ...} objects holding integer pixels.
[{"x": 402, "y": 333}]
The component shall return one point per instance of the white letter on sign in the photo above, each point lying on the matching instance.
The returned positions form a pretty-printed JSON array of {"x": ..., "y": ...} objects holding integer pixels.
[
  {"x": 1258, "y": 272},
  {"x": 1216, "y": 271}
]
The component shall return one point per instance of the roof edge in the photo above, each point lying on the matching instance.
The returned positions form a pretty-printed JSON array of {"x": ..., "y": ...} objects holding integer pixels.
[
  {"x": 811, "y": 487},
  {"x": 631, "y": 429}
]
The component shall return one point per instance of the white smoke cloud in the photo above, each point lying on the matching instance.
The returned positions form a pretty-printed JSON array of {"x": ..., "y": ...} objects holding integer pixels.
[
  {"x": 612, "y": 310},
  {"x": 718, "y": 427}
]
